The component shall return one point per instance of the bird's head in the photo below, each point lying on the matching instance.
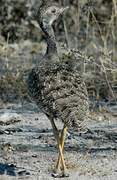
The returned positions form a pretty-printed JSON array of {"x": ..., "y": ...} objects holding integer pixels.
[{"x": 52, "y": 13}]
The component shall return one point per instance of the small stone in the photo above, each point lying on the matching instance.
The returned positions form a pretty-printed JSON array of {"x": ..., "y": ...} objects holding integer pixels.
[
  {"x": 34, "y": 155},
  {"x": 23, "y": 172},
  {"x": 39, "y": 137}
]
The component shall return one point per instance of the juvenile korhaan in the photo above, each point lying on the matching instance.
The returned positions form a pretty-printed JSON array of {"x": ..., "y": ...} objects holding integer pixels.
[{"x": 57, "y": 87}]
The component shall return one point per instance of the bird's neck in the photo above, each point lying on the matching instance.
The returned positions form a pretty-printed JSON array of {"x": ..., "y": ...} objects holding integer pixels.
[{"x": 50, "y": 39}]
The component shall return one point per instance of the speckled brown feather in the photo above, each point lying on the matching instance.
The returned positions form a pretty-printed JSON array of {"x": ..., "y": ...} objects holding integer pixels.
[{"x": 60, "y": 92}]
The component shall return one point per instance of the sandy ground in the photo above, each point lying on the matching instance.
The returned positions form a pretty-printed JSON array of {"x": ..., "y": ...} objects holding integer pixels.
[{"x": 89, "y": 156}]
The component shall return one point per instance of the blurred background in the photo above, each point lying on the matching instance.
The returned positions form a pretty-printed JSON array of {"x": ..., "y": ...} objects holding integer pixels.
[{"x": 89, "y": 25}]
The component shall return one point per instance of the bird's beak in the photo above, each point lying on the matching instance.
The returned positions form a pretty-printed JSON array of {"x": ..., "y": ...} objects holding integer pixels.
[{"x": 64, "y": 9}]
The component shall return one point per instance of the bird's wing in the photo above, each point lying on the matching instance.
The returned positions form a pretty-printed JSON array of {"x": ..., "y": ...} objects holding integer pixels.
[{"x": 65, "y": 96}]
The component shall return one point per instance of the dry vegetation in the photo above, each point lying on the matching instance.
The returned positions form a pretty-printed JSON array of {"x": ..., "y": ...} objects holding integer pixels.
[{"x": 89, "y": 25}]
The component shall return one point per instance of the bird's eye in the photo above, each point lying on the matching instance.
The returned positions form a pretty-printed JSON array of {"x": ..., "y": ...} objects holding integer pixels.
[{"x": 53, "y": 11}]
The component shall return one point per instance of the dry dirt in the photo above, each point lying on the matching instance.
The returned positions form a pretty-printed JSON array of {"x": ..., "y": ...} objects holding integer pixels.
[{"x": 90, "y": 155}]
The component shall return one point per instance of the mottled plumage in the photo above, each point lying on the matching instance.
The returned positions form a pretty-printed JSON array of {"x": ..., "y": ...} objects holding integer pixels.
[
  {"x": 60, "y": 92},
  {"x": 57, "y": 86}
]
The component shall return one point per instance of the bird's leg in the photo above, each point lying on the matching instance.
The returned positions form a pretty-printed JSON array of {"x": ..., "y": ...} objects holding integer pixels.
[
  {"x": 59, "y": 142},
  {"x": 61, "y": 156},
  {"x": 62, "y": 140},
  {"x": 56, "y": 135}
]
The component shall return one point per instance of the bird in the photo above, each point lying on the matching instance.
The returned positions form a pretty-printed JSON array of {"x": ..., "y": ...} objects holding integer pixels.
[{"x": 57, "y": 86}]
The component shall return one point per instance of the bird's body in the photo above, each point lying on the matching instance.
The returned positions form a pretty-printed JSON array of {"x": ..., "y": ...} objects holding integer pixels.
[
  {"x": 60, "y": 92},
  {"x": 57, "y": 86}
]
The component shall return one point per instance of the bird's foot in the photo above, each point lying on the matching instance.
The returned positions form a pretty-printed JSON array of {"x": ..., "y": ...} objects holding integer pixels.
[
  {"x": 65, "y": 174},
  {"x": 57, "y": 174}
]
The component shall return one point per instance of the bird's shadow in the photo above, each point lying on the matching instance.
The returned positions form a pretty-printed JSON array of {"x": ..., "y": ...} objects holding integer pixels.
[
  {"x": 8, "y": 169},
  {"x": 12, "y": 170}
]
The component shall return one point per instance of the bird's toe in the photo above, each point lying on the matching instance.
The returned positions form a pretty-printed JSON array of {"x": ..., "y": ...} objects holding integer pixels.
[
  {"x": 65, "y": 174},
  {"x": 56, "y": 173},
  {"x": 60, "y": 175}
]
